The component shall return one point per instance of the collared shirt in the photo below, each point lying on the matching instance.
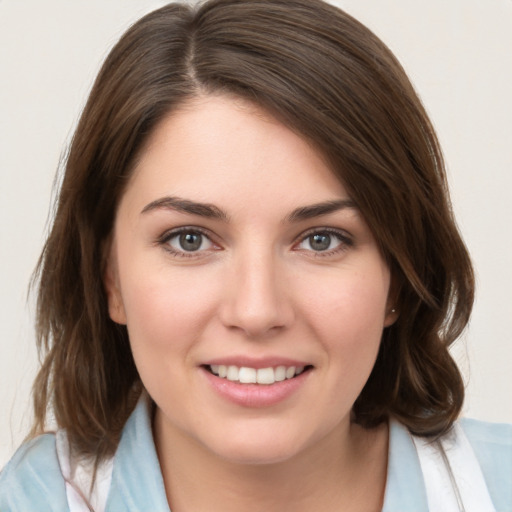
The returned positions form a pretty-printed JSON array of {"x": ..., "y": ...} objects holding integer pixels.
[{"x": 33, "y": 479}]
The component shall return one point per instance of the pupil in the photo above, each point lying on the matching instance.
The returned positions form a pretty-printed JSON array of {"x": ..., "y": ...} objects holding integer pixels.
[
  {"x": 190, "y": 241},
  {"x": 320, "y": 242}
]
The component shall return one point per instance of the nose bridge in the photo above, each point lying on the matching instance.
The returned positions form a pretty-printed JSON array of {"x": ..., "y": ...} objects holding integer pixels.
[{"x": 256, "y": 302}]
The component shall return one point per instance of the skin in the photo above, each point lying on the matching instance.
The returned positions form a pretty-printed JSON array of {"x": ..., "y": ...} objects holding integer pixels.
[{"x": 257, "y": 287}]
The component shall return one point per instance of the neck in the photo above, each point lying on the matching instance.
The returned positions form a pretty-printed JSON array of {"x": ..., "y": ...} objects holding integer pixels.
[{"x": 346, "y": 469}]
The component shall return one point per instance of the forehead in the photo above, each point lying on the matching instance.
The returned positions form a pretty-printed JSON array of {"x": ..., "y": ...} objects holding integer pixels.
[{"x": 227, "y": 150}]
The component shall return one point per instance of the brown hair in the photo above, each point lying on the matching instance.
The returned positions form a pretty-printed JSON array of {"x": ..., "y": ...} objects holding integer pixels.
[{"x": 330, "y": 79}]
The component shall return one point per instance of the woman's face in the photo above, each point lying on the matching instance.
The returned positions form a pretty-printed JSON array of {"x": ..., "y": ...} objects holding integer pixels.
[{"x": 238, "y": 256}]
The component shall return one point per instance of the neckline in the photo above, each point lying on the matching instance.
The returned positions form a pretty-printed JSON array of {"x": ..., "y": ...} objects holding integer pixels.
[
  {"x": 140, "y": 485},
  {"x": 405, "y": 488}
]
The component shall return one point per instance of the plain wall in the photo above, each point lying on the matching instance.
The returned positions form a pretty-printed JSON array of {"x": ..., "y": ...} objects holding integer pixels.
[{"x": 458, "y": 54}]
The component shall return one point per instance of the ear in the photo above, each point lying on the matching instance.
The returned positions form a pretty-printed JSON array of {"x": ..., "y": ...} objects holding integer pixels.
[
  {"x": 111, "y": 283},
  {"x": 392, "y": 312},
  {"x": 391, "y": 317}
]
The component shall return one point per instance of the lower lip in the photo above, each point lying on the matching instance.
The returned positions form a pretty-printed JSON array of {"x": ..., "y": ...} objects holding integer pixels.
[{"x": 256, "y": 395}]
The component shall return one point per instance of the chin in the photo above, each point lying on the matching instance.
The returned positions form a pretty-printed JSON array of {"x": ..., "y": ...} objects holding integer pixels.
[
  {"x": 257, "y": 455},
  {"x": 263, "y": 448}
]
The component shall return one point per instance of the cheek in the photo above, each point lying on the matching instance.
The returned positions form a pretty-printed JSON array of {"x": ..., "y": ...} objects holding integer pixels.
[
  {"x": 165, "y": 309},
  {"x": 347, "y": 313},
  {"x": 349, "y": 298},
  {"x": 166, "y": 313}
]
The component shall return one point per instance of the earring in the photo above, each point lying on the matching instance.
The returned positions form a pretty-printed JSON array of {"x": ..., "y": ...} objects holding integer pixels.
[{"x": 393, "y": 310}]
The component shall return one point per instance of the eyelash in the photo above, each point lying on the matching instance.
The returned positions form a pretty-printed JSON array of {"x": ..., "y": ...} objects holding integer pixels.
[
  {"x": 345, "y": 241},
  {"x": 166, "y": 237}
]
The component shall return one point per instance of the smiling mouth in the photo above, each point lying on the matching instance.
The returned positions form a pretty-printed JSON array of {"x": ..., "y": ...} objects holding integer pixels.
[{"x": 247, "y": 375}]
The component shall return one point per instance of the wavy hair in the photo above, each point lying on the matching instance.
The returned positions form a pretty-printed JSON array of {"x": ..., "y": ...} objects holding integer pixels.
[{"x": 328, "y": 78}]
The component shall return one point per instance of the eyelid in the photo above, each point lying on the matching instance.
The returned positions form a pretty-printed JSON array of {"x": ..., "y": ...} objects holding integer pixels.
[
  {"x": 165, "y": 237},
  {"x": 343, "y": 236}
]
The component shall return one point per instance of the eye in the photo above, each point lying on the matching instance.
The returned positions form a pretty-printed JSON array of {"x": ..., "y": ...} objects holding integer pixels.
[
  {"x": 324, "y": 241},
  {"x": 185, "y": 242}
]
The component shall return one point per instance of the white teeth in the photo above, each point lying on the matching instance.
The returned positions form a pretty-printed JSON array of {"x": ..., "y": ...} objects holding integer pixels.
[
  {"x": 290, "y": 372},
  {"x": 265, "y": 376},
  {"x": 280, "y": 373},
  {"x": 247, "y": 375},
  {"x": 233, "y": 373}
]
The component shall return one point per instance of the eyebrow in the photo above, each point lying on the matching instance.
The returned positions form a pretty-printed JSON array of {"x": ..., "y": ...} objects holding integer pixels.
[
  {"x": 316, "y": 210},
  {"x": 186, "y": 206},
  {"x": 213, "y": 212}
]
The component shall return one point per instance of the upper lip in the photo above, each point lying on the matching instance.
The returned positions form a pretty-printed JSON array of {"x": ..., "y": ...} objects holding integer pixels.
[{"x": 251, "y": 362}]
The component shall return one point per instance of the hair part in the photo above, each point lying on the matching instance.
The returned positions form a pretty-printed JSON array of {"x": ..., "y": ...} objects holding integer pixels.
[{"x": 328, "y": 78}]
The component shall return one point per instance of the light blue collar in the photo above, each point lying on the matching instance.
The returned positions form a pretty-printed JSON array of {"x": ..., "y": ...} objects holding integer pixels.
[
  {"x": 137, "y": 482},
  {"x": 405, "y": 489}
]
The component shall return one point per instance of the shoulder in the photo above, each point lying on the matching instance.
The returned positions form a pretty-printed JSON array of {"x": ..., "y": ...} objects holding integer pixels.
[
  {"x": 483, "y": 432},
  {"x": 32, "y": 479},
  {"x": 492, "y": 444}
]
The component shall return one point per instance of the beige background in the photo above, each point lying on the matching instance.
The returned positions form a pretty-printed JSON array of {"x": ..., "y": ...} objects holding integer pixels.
[{"x": 459, "y": 56}]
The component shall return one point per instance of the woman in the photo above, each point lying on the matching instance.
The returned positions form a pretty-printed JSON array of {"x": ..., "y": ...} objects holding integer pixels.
[{"x": 252, "y": 281}]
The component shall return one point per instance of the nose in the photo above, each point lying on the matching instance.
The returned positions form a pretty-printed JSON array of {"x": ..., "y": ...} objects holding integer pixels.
[{"x": 256, "y": 300}]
